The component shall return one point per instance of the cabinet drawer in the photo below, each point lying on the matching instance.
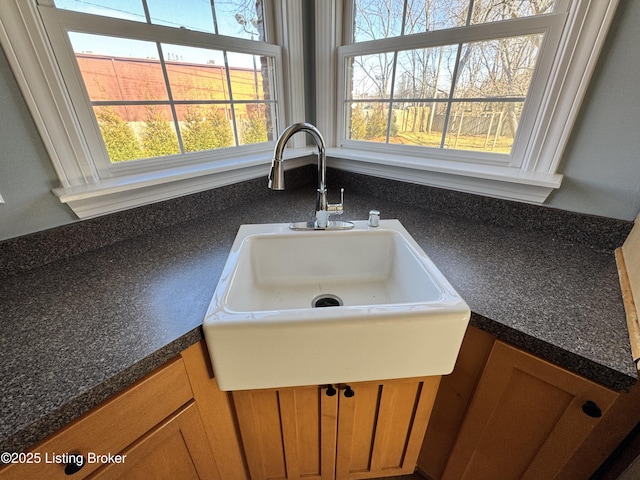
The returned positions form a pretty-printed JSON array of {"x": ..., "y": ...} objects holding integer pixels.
[{"x": 111, "y": 426}]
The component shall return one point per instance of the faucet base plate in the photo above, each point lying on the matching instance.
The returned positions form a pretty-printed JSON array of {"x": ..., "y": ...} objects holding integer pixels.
[{"x": 331, "y": 225}]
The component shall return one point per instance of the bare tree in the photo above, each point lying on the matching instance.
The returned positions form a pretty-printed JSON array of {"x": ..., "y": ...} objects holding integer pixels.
[{"x": 496, "y": 69}]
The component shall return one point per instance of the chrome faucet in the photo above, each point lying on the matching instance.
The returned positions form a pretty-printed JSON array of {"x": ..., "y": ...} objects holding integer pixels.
[{"x": 323, "y": 208}]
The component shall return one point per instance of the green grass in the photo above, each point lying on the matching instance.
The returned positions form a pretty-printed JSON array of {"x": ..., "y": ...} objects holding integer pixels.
[{"x": 464, "y": 142}]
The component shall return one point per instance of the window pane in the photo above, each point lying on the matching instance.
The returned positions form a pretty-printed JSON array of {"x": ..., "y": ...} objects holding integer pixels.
[
  {"x": 485, "y": 11},
  {"x": 157, "y": 132},
  {"x": 205, "y": 127},
  {"x": 191, "y": 14},
  {"x": 370, "y": 75},
  {"x": 246, "y": 73},
  {"x": 376, "y": 19},
  {"x": 483, "y": 126},
  {"x": 368, "y": 121},
  {"x": 498, "y": 68},
  {"x": 118, "y": 129},
  {"x": 418, "y": 123},
  {"x": 118, "y": 68},
  {"x": 234, "y": 18},
  {"x": 240, "y": 18},
  {"x": 125, "y": 9},
  {"x": 137, "y": 131},
  {"x": 196, "y": 73},
  {"x": 425, "y": 73},
  {"x": 430, "y": 15},
  {"x": 255, "y": 122}
]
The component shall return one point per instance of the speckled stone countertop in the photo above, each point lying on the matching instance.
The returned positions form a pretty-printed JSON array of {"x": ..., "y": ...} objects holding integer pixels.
[{"x": 75, "y": 331}]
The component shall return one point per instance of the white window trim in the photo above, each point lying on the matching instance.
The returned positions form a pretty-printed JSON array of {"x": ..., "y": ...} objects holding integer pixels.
[
  {"x": 82, "y": 186},
  {"x": 536, "y": 177}
]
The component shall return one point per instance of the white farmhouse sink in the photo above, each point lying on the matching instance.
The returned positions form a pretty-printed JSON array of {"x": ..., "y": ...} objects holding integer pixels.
[{"x": 397, "y": 316}]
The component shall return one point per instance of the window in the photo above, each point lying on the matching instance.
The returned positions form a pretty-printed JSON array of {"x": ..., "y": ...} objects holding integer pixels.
[
  {"x": 159, "y": 98},
  {"x": 463, "y": 84},
  {"x": 476, "y": 95},
  {"x": 473, "y": 95},
  {"x": 140, "y": 100}
]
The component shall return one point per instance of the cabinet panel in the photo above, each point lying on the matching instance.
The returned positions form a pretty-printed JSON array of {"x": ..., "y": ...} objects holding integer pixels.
[
  {"x": 525, "y": 420},
  {"x": 288, "y": 433},
  {"x": 178, "y": 448},
  {"x": 454, "y": 395},
  {"x": 301, "y": 432},
  {"x": 216, "y": 410},
  {"x": 380, "y": 428},
  {"x": 112, "y": 426}
]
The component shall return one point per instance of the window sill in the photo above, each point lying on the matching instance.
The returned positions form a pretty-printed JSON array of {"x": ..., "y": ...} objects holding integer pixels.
[
  {"x": 120, "y": 193},
  {"x": 505, "y": 182}
]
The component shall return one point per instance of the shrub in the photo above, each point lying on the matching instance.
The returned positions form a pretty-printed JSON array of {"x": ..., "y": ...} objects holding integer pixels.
[
  {"x": 255, "y": 128},
  {"x": 158, "y": 137},
  {"x": 205, "y": 128},
  {"x": 358, "y": 124},
  {"x": 118, "y": 136}
]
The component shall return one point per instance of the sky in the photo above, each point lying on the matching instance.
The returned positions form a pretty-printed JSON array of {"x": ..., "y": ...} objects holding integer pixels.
[{"x": 192, "y": 14}]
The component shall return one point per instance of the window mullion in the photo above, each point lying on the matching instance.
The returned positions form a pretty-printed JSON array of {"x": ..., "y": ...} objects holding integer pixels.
[
  {"x": 231, "y": 103},
  {"x": 147, "y": 15},
  {"x": 214, "y": 16},
  {"x": 454, "y": 77},
  {"x": 391, "y": 94},
  {"x": 404, "y": 18},
  {"x": 172, "y": 105},
  {"x": 470, "y": 12}
]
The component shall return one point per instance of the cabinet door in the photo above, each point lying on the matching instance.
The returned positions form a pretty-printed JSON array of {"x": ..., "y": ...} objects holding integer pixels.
[
  {"x": 217, "y": 412},
  {"x": 112, "y": 426},
  {"x": 525, "y": 420},
  {"x": 381, "y": 427},
  {"x": 178, "y": 448},
  {"x": 288, "y": 433}
]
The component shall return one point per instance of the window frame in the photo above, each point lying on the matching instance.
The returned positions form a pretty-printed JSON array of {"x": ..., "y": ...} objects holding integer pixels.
[
  {"x": 529, "y": 177},
  {"x": 59, "y": 23},
  {"x": 85, "y": 185}
]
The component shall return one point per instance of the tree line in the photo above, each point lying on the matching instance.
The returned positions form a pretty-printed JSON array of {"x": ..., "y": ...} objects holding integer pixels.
[{"x": 203, "y": 128}]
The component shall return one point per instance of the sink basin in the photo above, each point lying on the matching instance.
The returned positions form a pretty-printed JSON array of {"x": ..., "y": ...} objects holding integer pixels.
[{"x": 302, "y": 308}]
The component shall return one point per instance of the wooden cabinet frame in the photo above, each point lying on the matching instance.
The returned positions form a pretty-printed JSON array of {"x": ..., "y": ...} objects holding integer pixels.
[{"x": 301, "y": 432}]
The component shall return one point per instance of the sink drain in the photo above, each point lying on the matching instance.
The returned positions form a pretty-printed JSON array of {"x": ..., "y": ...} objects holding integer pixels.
[{"x": 326, "y": 300}]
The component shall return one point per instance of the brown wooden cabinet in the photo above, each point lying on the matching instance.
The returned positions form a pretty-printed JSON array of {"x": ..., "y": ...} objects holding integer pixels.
[
  {"x": 526, "y": 419},
  {"x": 291, "y": 433},
  {"x": 151, "y": 430},
  {"x": 177, "y": 448},
  {"x": 502, "y": 413},
  {"x": 217, "y": 412},
  {"x": 288, "y": 432}
]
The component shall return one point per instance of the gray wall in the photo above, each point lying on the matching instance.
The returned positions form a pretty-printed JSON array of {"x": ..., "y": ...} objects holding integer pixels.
[
  {"x": 26, "y": 173},
  {"x": 601, "y": 163}
]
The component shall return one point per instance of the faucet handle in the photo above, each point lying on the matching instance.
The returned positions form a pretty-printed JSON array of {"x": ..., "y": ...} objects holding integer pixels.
[{"x": 337, "y": 208}]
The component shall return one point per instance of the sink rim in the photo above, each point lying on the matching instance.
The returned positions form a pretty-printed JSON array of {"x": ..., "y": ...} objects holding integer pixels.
[{"x": 220, "y": 313}]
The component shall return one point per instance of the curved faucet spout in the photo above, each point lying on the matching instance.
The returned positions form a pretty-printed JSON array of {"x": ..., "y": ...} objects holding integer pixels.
[
  {"x": 276, "y": 176},
  {"x": 323, "y": 209}
]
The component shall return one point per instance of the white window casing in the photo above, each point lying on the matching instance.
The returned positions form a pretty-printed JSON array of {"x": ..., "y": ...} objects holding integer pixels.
[
  {"x": 88, "y": 184},
  {"x": 570, "y": 50},
  {"x": 529, "y": 174}
]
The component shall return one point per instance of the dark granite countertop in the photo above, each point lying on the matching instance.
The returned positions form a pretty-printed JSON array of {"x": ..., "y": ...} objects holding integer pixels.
[{"x": 75, "y": 331}]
